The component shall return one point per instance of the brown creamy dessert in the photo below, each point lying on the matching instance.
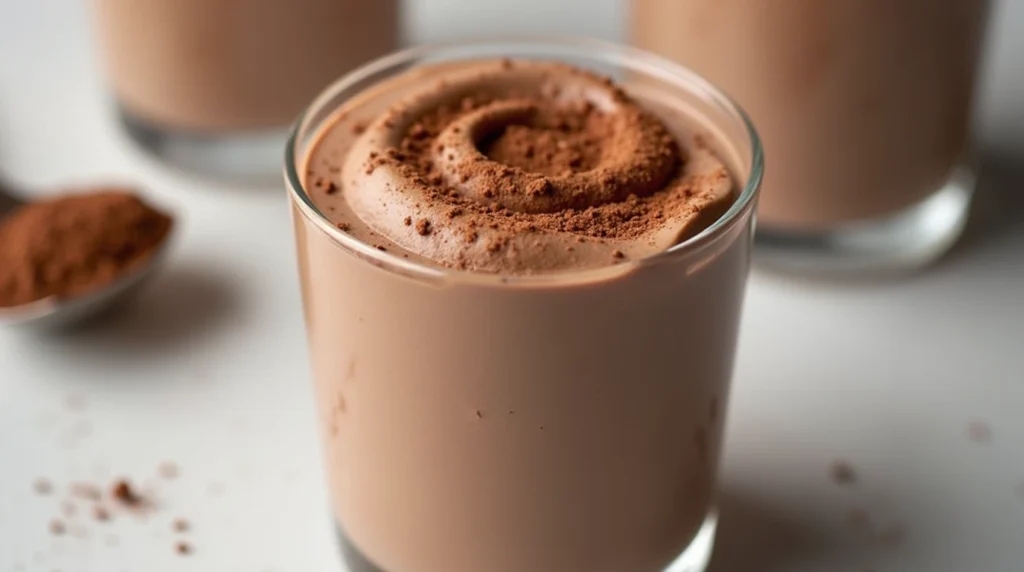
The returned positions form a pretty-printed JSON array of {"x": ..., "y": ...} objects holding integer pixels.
[
  {"x": 863, "y": 105},
  {"x": 208, "y": 66},
  {"x": 512, "y": 372}
]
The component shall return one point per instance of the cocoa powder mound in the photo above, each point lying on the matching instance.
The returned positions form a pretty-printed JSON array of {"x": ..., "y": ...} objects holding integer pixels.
[{"x": 74, "y": 244}]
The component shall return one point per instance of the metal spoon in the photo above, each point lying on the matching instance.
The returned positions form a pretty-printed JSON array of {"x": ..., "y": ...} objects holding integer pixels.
[{"x": 54, "y": 312}]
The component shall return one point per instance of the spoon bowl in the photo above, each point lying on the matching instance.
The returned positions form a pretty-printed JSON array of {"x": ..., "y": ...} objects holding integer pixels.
[{"x": 55, "y": 312}]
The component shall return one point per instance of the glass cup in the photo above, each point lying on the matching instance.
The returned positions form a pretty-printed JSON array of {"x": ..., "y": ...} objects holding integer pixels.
[
  {"x": 864, "y": 106},
  {"x": 558, "y": 422},
  {"x": 212, "y": 86}
]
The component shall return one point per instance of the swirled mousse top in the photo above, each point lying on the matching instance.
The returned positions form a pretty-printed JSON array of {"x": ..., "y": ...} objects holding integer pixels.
[{"x": 514, "y": 168}]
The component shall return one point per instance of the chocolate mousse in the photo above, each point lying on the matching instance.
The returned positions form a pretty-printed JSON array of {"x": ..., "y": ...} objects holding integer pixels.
[
  {"x": 519, "y": 168},
  {"x": 522, "y": 285}
]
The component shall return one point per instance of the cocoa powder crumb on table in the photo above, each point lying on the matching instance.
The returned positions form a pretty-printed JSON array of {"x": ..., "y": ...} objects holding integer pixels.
[
  {"x": 843, "y": 473},
  {"x": 168, "y": 470},
  {"x": 180, "y": 525},
  {"x": 123, "y": 492},
  {"x": 979, "y": 432},
  {"x": 183, "y": 548},
  {"x": 42, "y": 486},
  {"x": 57, "y": 527}
]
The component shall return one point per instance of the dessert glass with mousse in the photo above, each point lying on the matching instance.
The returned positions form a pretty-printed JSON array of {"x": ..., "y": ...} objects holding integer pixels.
[
  {"x": 522, "y": 269},
  {"x": 213, "y": 85},
  {"x": 864, "y": 107}
]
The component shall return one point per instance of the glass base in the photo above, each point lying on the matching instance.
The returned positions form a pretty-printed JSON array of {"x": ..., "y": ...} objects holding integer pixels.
[
  {"x": 695, "y": 558},
  {"x": 903, "y": 241},
  {"x": 244, "y": 156}
]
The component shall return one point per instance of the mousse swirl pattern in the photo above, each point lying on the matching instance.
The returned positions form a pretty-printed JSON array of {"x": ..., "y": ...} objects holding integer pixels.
[{"x": 528, "y": 167}]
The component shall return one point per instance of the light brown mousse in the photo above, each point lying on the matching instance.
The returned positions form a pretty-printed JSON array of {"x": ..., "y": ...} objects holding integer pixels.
[{"x": 518, "y": 168}]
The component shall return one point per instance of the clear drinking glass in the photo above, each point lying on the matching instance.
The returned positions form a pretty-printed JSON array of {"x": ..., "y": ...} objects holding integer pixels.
[
  {"x": 864, "y": 107},
  {"x": 561, "y": 422},
  {"x": 212, "y": 86}
]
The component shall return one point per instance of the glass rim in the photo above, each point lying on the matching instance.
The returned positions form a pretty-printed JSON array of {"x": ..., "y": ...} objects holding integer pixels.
[{"x": 608, "y": 52}]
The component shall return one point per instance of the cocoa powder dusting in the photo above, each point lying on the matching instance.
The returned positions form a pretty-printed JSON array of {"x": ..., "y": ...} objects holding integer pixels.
[
  {"x": 550, "y": 150},
  {"x": 75, "y": 244},
  {"x": 538, "y": 161}
]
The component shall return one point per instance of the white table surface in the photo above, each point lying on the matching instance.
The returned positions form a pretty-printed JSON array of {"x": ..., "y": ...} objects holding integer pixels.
[{"x": 208, "y": 369}]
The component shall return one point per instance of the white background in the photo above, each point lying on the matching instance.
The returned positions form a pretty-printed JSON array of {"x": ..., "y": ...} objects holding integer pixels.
[{"x": 208, "y": 368}]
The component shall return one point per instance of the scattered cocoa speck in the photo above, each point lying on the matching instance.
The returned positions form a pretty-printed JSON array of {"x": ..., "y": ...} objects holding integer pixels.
[
  {"x": 381, "y": 248},
  {"x": 57, "y": 527},
  {"x": 423, "y": 227},
  {"x": 511, "y": 411},
  {"x": 330, "y": 188},
  {"x": 843, "y": 473},
  {"x": 506, "y": 63},
  {"x": 454, "y": 212},
  {"x": 464, "y": 178},
  {"x": 180, "y": 525},
  {"x": 618, "y": 255},
  {"x": 68, "y": 509},
  {"x": 101, "y": 514},
  {"x": 168, "y": 469},
  {"x": 183, "y": 548},
  {"x": 359, "y": 127},
  {"x": 979, "y": 432},
  {"x": 471, "y": 236},
  {"x": 479, "y": 414},
  {"x": 408, "y": 221},
  {"x": 42, "y": 486},
  {"x": 86, "y": 491},
  {"x": 344, "y": 226},
  {"x": 123, "y": 492}
]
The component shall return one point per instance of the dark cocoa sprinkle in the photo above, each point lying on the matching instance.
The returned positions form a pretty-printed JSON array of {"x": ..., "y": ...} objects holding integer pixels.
[
  {"x": 408, "y": 221},
  {"x": 183, "y": 548},
  {"x": 123, "y": 492},
  {"x": 423, "y": 227},
  {"x": 344, "y": 226},
  {"x": 359, "y": 127},
  {"x": 331, "y": 188},
  {"x": 617, "y": 254},
  {"x": 479, "y": 415},
  {"x": 471, "y": 236},
  {"x": 463, "y": 178},
  {"x": 180, "y": 525},
  {"x": 381, "y": 248}
]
